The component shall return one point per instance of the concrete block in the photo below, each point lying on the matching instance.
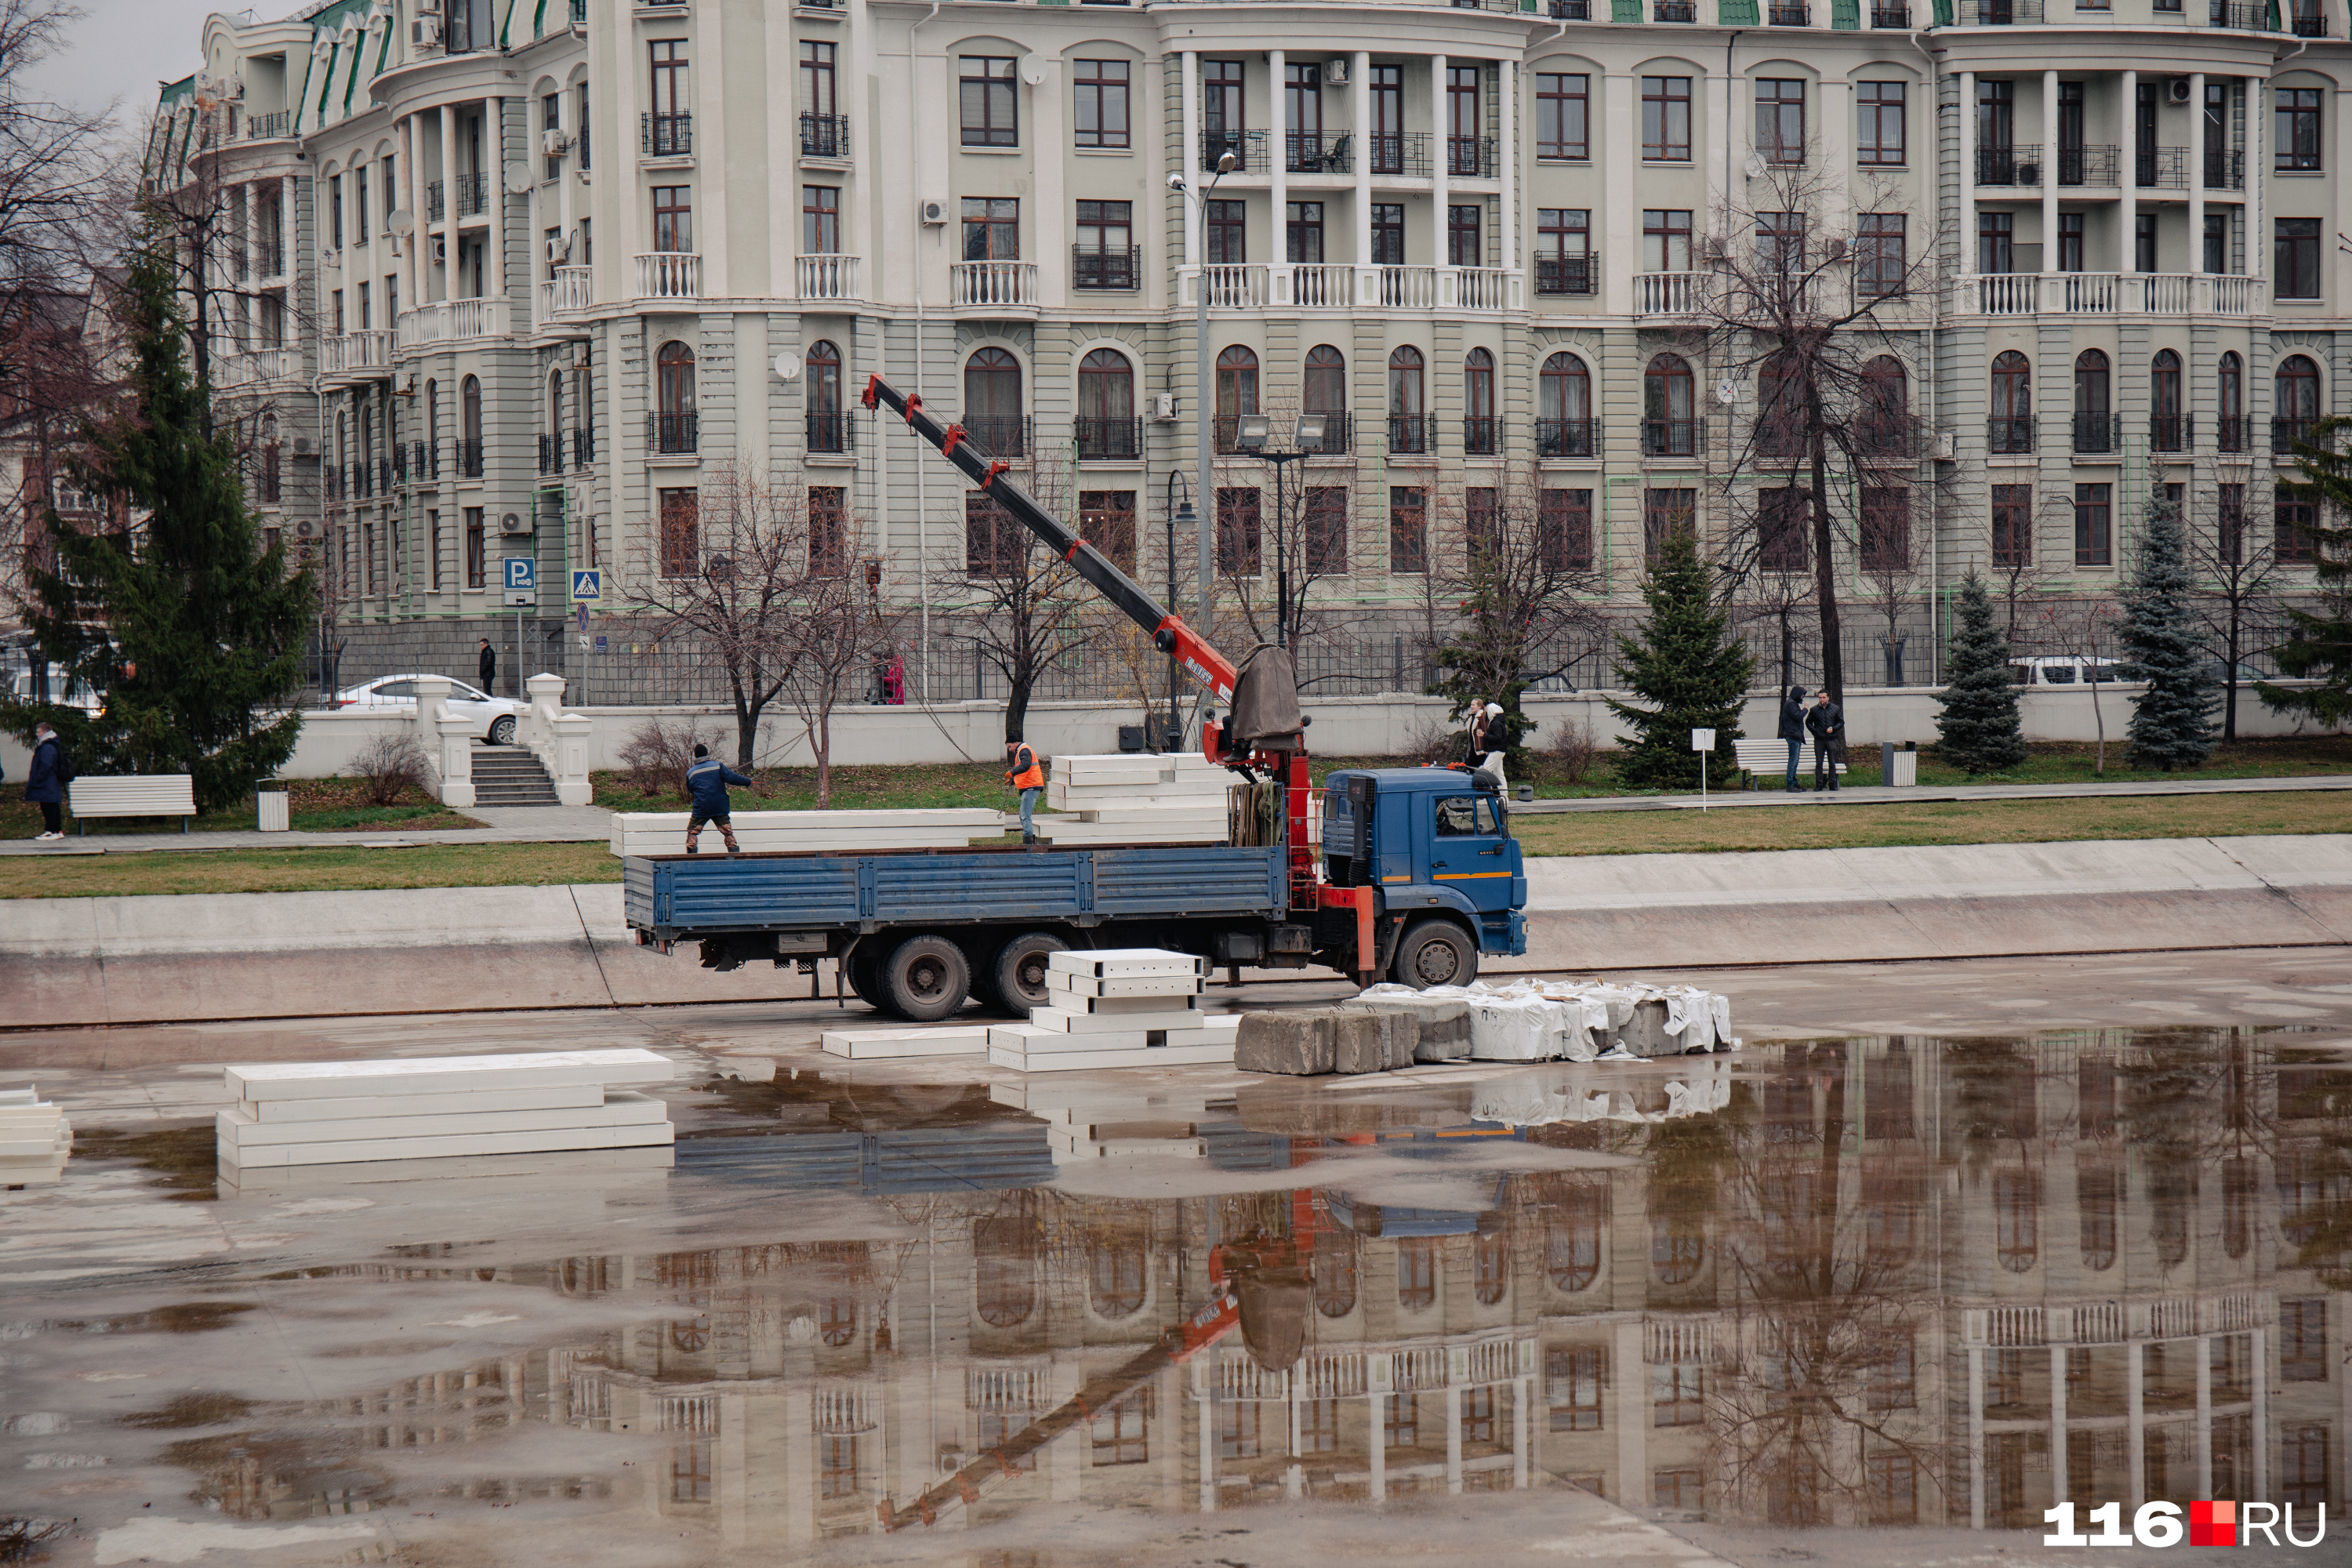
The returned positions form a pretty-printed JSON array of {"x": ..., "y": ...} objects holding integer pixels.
[
  {"x": 1442, "y": 1027},
  {"x": 446, "y": 1075},
  {"x": 1125, "y": 1007},
  {"x": 1358, "y": 1042},
  {"x": 1063, "y": 1021},
  {"x": 1299, "y": 1042},
  {"x": 371, "y": 1149},
  {"x": 1067, "y": 1061},
  {"x": 1126, "y": 962},
  {"x": 565, "y": 1172},
  {"x": 1645, "y": 1034},
  {"x": 240, "y": 1128},
  {"x": 1122, "y": 985},
  {"x": 351, "y": 1107},
  {"x": 869, "y": 1045}
]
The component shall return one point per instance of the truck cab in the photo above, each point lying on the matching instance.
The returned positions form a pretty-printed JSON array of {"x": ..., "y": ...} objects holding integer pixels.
[{"x": 1436, "y": 847}]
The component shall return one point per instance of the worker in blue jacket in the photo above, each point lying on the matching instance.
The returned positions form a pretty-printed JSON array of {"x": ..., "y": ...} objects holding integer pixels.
[{"x": 707, "y": 780}]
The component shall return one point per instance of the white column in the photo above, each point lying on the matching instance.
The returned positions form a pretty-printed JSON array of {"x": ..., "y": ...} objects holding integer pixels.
[
  {"x": 2204, "y": 1346},
  {"x": 290, "y": 263},
  {"x": 2258, "y": 1360},
  {"x": 1976, "y": 1437},
  {"x": 1277, "y": 255},
  {"x": 411, "y": 156},
  {"x": 2049, "y": 184},
  {"x": 1522, "y": 1390},
  {"x": 1454, "y": 1437},
  {"x": 246, "y": 314},
  {"x": 2058, "y": 1484},
  {"x": 2128, "y": 214},
  {"x": 1049, "y": 223},
  {"x": 711, "y": 225},
  {"x": 1620, "y": 142},
  {"x": 1630, "y": 1397},
  {"x": 2134, "y": 1429},
  {"x": 1379, "y": 1444},
  {"x": 1360, "y": 99},
  {"x": 1205, "y": 1405},
  {"x": 1507, "y": 164},
  {"x": 1442, "y": 113},
  {"x": 783, "y": 147},
  {"x": 494, "y": 134},
  {"x": 2197, "y": 172},
  {"x": 1192, "y": 161},
  {"x": 1967, "y": 171},
  {"x": 2257, "y": 109},
  {"x": 448, "y": 200}
]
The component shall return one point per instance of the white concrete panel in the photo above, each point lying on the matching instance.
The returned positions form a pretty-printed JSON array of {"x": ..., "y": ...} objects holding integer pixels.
[
  {"x": 442, "y": 1075},
  {"x": 867, "y": 1045},
  {"x": 240, "y": 1129},
  {"x": 374, "y": 1148},
  {"x": 344, "y": 1108}
]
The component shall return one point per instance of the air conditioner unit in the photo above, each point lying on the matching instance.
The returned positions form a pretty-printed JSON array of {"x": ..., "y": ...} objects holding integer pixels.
[
  {"x": 424, "y": 32},
  {"x": 1163, "y": 408},
  {"x": 2177, "y": 90},
  {"x": 556, "y": 252},
  {"x": 429, "y": 7},
  {"x": 553, "y": 142},
  {"x": 1335, "y": 72},
  {"x": 301, "y": 445},
  {"x": 513, "y": 522},
  {"x": 1834, "y": 248},
  {"x": 579, "y": 356},
  {"x": 440, "y": 248},
  {"x": 935, "y": 213},
  {"x": 305, "y": 528},
  {"x": 1948, "y": 447}
]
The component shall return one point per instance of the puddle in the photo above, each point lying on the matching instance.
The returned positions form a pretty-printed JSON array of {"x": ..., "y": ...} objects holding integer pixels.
[{"x": 1829, "y": 1287}]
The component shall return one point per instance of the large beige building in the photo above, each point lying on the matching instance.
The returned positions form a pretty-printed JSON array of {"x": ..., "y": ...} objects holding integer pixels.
[{"x": 523, "y": 280}]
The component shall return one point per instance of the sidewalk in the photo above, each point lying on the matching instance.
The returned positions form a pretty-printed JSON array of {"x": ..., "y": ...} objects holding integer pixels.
[{"x": 1879, "y": 794}]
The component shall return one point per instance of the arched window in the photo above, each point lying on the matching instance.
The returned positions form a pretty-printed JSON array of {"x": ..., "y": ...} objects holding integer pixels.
[
  {"x": 1115, "y": 1276},
  {"x": 1886, "y": 407},
  {"x": 1408, "y": 426},
  {"x": 1105, "y": 422},
  {"x": 1335, "y": 1273},
  {"x": 991, "y": 403},
  {"x": 1572, "y": 1237},
  {"x": 2098, "y": 1201},
  {"x": 1677, "y": 1248},
  {"x": 270, "y": 471},
  {"x": 431, "y": 411},
  {"x": 1669, "y": 425},
  {"x": 2094, "y": 424},
  {"x": 1236, "y": 392},
  {"x": 1326, "y": 389},
  {"x": 1564, "y": 408},
  {"x": 838, "y": 1326},
  {"x": 2165, "y": 431},
  {"x": 2011, "y": 429},
  {"x": 1005, "y": 1249},
  {"x": 1479, "y": 437},
  {"x": 827, "y": 425},
  {"x": 674, "y": 386},
  {"x": 2016, "y": 1219},
  {"x": 1417, "y": 1263},
  {"x": 555, "y": 402},
  {"x": 1491, "y": 1269},
  {"x": 2294, "y": 403},
  {"x": 469, "y": 429},
  {"x": 2229, "y": 389},
  {"x": 1779, "y": 408}
]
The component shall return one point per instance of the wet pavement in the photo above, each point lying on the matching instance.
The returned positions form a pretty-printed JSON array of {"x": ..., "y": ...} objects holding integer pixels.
[{"x": 1945, "y": 1245}]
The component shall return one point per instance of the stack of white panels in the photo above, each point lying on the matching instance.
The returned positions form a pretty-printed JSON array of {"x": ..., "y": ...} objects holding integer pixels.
[
  {"x": 1135, "y": 1007},
  {"x": 1136, "y": 798},
  {"x": 840, "y": 832},
  {"x": 1082, "y": 1124},
  {"x": 330, "y": 1113},
  {"x": 34, "y": 1138},
  {"x": 871, "y": 1045}
]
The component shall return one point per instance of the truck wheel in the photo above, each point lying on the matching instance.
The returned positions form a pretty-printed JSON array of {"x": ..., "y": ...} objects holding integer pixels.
[
  {"x": 859, "y": 970},
  {"x": 1016, "y": 975},
  {"x": 1435, "y": 952},
  {"x": 925, "y": 979}
]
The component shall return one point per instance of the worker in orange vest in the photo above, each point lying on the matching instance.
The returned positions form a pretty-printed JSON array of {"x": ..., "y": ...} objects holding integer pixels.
[{"x": 1026, "y": 774}]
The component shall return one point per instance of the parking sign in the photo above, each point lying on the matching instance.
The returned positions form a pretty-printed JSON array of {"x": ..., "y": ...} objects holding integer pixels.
[
  {"x": 588, "y": 587},
  {"x": 522, "y": 582}
]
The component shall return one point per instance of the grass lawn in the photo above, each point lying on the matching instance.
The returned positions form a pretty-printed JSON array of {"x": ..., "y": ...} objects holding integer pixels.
[
  {"x": 319, "y": 805},
  {"x": 304, "y": 870},
  {"x": 1828, "y": 826}
]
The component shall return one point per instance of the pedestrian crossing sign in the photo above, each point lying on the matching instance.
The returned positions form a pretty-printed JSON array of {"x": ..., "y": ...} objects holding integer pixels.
[{"x": 588, "y": 587}]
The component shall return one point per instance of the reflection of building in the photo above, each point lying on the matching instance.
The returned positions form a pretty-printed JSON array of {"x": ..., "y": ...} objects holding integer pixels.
[{"x": 1892, "y": 1281}]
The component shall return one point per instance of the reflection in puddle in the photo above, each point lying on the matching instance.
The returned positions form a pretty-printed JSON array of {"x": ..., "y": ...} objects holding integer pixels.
[{"x": 1878, "y": 1281}]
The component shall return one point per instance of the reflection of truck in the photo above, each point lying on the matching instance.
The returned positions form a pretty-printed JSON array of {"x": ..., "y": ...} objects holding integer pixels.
[{"x": 1417, "y": 873}]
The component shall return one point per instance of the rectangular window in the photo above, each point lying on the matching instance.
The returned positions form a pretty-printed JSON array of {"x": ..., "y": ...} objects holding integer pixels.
[
  {"x": 1240, "y": 532},
  {"x": 668, "y": 129},
  {"x": 1221, "y": 110},
  {"x": 1879, "y": 138},
  {"x": 551, "y": 118},
  {"x": 1564, "y": 534},
  {"x": 1572, "y": 1386},
  {"x": 2294, "y": 258},
  {"x": 1408, "y": 530},
  {"x": 680, "y": 528},
  {"x": 1563, "y": 250},
  {"x": 829, "y": 522},
  {"x": 673, "y": 217},
  {"x": 2303, "y": 1340},
  {"x": 1781, "y": 120},
  {"x": 819, "y": 83},
  {"x": 1102, "y": 117},
  {"x": 1780, "y": 243},
  {"x": 1685, "y": 1490},
  {"x": 1388, "y": 233},
  {"x": 2070, "y": 241},
  {"x": 820, "y": 220},
  {"x": 1675, "y": 1393},
  {"x": 1238, "y": 1429},
  {"x": 2012, "y": 525},
  {"x": 1303, "y": 232},
  {"x": 1465, "y": 126},
  {"x": 2230, "y": 525},
  {"x": 476, "y": 555},
  {"x": 1400, "y": 1422},
  {"x": 1783, "y": 530},
  {"x": 992, "y": 228},
  {"x": 583, "y": 125},
  {"x": 391, "y": 189},
  {"x": 2217, "y": 243},
  {"x": 1894, "y": 1484},
  {"x": 1563, "y": 115},
  {"x": 1461, "y": 243},
  {"x": 1666, "y": 119},
  {"x": 367, "y": 318},
  {"x": 993, "y": 543},
  {"x": 367, "y": 557},
  {"x": 1886, "y": 527},
  {"x": 392, "y": 300},
  {"x": 1881, "y": 254},
  {"x": 1482, "y": 534},
  {"x": 335, "y": 210},
  {"x": 2292, "y": 519},
  {"x": 2093, "y": 525},
  {"x": 987, "y": 102},
  {"x": 2303, "y": 1464},
  {"x": 1388, "y": 119},
  {"x": 1323, "y": 521},
  {"x": 1319, "y": 1426},
  {"x": 2296, "y": 117},
  {"x": 1665, "y": 240},
  {"x": 358, "y": 205},
  {"x": 1105, "y": 235},
  {"x": 1302, "y": 109},
  {"x": 1995, "y": 251},
  {"x": 1119, "y": 1431},
  {"x": 1665, "y": 513},
  {"x": 1227, "y": 224},
  {"x": 433, "y": 542},
  {"x": 2144, "y": 241},
  {"x": 1106, "y": 521}
]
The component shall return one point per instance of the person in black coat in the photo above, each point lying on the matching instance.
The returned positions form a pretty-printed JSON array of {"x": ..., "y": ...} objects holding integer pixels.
[
  {"x": 45, "y": 780},
  {"x": 487, "y": 664},
  {"x": 1826, "y": 722},
  {"x": 1793, "y": 730}
]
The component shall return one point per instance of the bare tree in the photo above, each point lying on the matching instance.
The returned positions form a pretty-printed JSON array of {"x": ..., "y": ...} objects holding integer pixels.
[
  {"x": 1890, "y": 565},
  {"x": 2239, "y": 561},
  {"x": 1782, "y": 602},
  {"x": 1021, "y": 608},
  {"x": 2084, "y": 628},
  {"x": 839, "y": 626}
]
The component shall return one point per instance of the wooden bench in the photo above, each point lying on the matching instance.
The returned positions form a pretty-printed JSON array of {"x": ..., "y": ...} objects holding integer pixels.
[
  {"x": 1759, "y": 759},
  {"x": 134, "y": 795}
]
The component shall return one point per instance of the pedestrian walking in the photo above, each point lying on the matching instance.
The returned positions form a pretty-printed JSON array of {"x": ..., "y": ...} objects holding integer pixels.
[
  {"x": 45, "y": 780},
  {"x": 1027, "y": 775},
  {"x": 1793, "y": 730},
  {"x": 894, "y": 682},
  {"x": 487, "y": 664},
  {"x": 1492, "y": 736},
  {"x": 1826, "y": 722},
  {"x": 707, "y": 779}
]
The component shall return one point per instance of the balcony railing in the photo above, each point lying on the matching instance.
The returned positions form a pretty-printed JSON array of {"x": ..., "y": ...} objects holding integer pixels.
[
  {"x": 355, "y": 352},
  {"x": 2161, "y": 169},
  {"x": 2240, "y": 16},
  {"x": 668, "y": 275},
  {"x": 829, "y": 276},
  {"x": 2233, "y": 434},
  {"x": 2106, "y": 293},
  {"x": 1101, "y": 440},
  {"x": 468, "y": 456},
  {"x": 445, "y": 321},
  {"x": 1666, "y": 293},
  {"x": 330, "y": 481},
  {"x": 1470, "y": 157},
  {"x": 1572, "y": 10},
  {"x": 1248, "y": 148},
  {"x": 2010, "y": 435},
  {"x": 1403, "y": 153},
  {"x": 1568, "y": 437},
  {"x": 1674, "y": 437},
  {"x": 672, "y": 435},
  {"x": 473, "y": 195},
  {"x": 583, "y": 447},
  {"x": 1485, "y": 288},
  {"x": 2285, "y": 433},
  {"x": 1407, "y": 287},
  {"x": 831, "y": 433},
  {"x": 1338, "y": 431},
  {"x": 362, "y": 479},
  {"x": 551, "y": 453},
  {"x": 666, "y": 135},
  {"x": 2226, "y": 171},
  {"x": 1565, "y": 274},
  {"x": 1323, "y": 153},
  {"x": 998, "y": 435},
  {"x": 1482, "y": 434},
  {"x": 424, "y": 460},
  {"x": 1412, "y": 435},
  {"x": 2172, "y": 432},
  {"x": 2088, "y": 165},
  {"x": 256, "y": 367},
  {"x": 569, "y": 289},
  {"x": 270, "y": 127},
  {"x": 2007, "y": 166},
  {"x": 986, "y": 283},
  {"x": 2309, "y": 25},
  {"x": 1320, "y": 285},
  {"x": 1999, "y": 13},
  {"x": 1779, "y": 16},
  {"x": 1096, "y": 268},
  {"x": 1897, "y": 17},
  {"x": 2098, "y": 434},
  {"x": 824, "y": 136}
]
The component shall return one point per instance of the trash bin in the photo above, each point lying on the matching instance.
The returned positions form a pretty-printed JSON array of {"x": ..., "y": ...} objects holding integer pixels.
[
  {"x": 1525, "y": 794},
  {"x": 271, "y": 812},
  {"x": 1130, "y": 737},
  {"x": 1900, "y": 764}
]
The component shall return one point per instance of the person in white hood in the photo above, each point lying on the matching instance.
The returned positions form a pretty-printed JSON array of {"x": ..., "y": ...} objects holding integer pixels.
[{"x": 1493, "y": 732}]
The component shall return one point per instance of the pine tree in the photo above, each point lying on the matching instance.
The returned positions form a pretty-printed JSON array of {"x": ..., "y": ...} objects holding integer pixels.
[
  {"x": 1978, "y": 729},
  {"x": 2319, "y": 641},
  {"x": 2172, "y": 718},
  {"x": 1684, "y": 662},
  {"x": 191, "y": 630}
]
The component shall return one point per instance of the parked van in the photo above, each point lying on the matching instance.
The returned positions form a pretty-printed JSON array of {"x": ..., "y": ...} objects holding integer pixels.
[{"x": 2064, "y": 669}]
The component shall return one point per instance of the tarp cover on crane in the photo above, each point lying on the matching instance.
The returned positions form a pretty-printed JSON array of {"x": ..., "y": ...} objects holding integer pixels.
[
  {"x": 1274, "y": 1313},
  {"x": 1265, "y": 699}
]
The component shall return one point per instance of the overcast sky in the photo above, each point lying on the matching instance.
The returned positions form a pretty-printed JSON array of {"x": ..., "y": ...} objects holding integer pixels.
[{"x": 121, "y": 49}]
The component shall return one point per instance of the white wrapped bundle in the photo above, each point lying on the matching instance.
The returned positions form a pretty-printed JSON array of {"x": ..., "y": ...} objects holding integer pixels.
[{"x": 1510, "y": 1029}]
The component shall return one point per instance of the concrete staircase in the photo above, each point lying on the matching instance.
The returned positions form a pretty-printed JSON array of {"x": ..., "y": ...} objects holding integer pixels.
[{"x": 509, "y": 775}]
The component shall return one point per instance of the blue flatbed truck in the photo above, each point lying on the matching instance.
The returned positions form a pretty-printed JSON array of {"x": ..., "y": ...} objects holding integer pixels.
[{"x": 1417, "y": 876}]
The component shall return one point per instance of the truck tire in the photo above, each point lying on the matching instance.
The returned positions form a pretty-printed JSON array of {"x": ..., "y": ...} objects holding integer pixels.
[
  {"x": 859, "y": 970},
  {"x": 1435, "y": 952},
  {"x": 925, "y": 979},
  {"x": 1015, "y": 977}
]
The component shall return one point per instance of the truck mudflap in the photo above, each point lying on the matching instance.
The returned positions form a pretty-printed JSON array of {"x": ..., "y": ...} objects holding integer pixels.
[{"x": 1502, "y": 934}]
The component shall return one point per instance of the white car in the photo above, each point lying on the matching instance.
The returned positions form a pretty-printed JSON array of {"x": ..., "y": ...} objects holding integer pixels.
[
  {"x": 2062, "y": 669},
  {"x": 493, "y": 717}
]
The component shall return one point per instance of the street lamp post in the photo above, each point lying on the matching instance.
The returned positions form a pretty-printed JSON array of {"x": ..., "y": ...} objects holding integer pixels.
[
  {"x": 1204, "y": 395},
  {"x": 1250, "y": 433},
  {"x": 1180, "y": 513}
]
